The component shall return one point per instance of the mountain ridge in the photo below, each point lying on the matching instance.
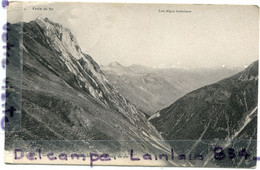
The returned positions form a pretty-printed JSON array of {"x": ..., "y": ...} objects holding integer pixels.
[
  {"x": 220, "y": 114},
  {"x": 245, "y": 76},
  {"x": 66, "y": 96}
]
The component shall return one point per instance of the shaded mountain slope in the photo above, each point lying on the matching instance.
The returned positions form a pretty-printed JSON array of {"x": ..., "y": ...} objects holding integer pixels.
[
  {"x": 224, "y": 112},
  {"x": 225, "y": 103}
]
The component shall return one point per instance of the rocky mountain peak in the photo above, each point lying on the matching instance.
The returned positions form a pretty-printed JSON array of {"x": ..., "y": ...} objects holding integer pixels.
[
  {"x": 78, "y": 69},
  {"x": 59, "y": 37},
  {"x": 66, "y": 95}
]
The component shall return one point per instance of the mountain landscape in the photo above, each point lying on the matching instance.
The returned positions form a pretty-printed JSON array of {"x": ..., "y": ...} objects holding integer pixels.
[
  {"x": 226, "y": 110},
  {"x": 152, "y": 89},
  {"x": 66, "y": 102},
  {"x": 65, "y": 96}
]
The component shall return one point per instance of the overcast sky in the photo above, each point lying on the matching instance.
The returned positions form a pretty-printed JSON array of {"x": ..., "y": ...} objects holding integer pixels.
[{"x": 208, "y": 36}]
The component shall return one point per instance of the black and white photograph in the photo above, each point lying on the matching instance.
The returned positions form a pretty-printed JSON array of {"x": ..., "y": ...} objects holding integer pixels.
[{"x": 125, "y": 84}]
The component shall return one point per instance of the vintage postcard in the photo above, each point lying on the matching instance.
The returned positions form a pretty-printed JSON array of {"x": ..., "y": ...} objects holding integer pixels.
[{"x": 132, "y": 84}]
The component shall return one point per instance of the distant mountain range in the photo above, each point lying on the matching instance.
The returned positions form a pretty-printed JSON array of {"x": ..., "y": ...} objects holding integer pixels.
[{"x": 152, "y": 89}]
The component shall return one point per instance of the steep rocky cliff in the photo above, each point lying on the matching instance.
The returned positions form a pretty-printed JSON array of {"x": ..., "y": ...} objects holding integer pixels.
[{"x": 65, "y": 96}]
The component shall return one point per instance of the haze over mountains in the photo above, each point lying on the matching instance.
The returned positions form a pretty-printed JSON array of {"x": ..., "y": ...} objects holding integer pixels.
[
  {"x": 152, "y": 89},
  {"x": 66, "y": 97}
]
